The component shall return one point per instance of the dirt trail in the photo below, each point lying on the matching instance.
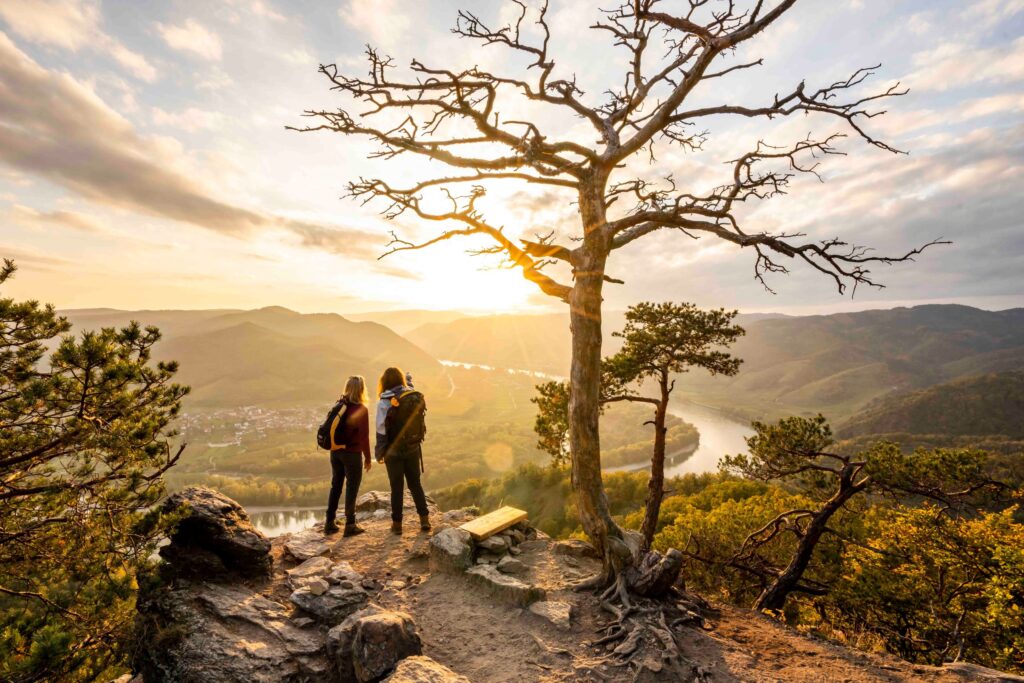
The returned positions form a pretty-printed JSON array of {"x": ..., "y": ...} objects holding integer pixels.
[{"x": 489, "y": 641}]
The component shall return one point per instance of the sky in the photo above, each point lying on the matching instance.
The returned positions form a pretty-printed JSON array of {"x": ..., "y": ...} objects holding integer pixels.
[{"x": 145, "y": 161}]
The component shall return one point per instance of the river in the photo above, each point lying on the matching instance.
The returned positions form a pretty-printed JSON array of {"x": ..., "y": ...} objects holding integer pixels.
[
  {"x": 719, "y": 435},
  {"x": 274, "y": 521}
]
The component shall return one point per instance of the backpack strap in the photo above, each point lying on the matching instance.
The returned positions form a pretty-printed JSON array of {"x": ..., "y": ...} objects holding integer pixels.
[{"x": 341, "y": 408}]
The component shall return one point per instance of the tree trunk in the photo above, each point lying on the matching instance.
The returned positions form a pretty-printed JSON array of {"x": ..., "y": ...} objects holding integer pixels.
[
  {"x": 656, "y": 484},
  {"x": 774, "y": 596},
  {"x": 585, "y": 388}
]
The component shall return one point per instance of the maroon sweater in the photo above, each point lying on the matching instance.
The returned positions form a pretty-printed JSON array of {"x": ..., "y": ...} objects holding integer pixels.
[{"x": 354, "y": 431}]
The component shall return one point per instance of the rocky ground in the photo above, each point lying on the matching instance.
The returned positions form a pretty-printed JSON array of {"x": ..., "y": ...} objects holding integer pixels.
[{"x": 436, "y": 607}]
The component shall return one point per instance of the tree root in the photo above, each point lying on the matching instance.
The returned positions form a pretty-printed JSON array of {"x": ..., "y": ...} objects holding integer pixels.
[{"x": 642, "y": 634}]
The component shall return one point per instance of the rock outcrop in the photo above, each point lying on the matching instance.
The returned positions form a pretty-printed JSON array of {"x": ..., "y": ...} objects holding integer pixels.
[
  {"x": 213, "y": 632},
  {"x": 214, "y": 537},
  {"x": 217, "y": 612}
]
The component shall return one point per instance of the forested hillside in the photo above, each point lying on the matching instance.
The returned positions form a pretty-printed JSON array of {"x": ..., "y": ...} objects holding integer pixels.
[
  {"x": 985, "y": 405},
  {"x": 836, "y": 364}
]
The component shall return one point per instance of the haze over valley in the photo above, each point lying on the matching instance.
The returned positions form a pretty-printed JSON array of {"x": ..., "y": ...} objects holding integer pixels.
[{"x": 262, "y": 378}]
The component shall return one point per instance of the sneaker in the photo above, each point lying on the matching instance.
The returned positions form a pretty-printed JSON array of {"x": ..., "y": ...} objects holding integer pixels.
[
  {"x": 330, "y": 528},
  {"x": 424, "y": 523},
  {"x": 353, "y": 530},
  {"x": 396, "y": 528}
]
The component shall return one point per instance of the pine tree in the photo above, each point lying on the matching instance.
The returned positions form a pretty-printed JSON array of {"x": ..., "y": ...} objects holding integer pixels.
[{"x": 84, "y": 444}]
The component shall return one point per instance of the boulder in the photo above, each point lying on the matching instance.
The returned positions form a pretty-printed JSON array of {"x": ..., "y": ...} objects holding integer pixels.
[
  {"x": 496, "y": 544},
  {"x": 339, "y": 642},
  {"x": 213, "y": 632},
  {"x": 451, "y": 550},
  {"x": 342, "y": 572},
  {"x": 529, "y": 546},
  {"x": 510, "y": 565},
  {"x": 504, "y": 587},
  {"x": 557, "y": 612},
  {"x": 307, "y": 544},
  {"x": 373, "y": 502},
  {"x": 214, "y": 536},
  {"x": 332, "y": 606},
  {"x": 460, "y": 516},
  {"x": 313, "y": 568},
  {"x": 574, "y": 548},
  {"x": 380, "y": 641},
  {"x": 423, "y": 670}
]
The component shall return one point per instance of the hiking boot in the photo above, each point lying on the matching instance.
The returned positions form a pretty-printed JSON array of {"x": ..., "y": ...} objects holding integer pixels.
[
  {"x": 424, "y": 522},
  {"x": 353, "y": 530},
  {"x": 396, "y": 528},
  {"x": 330, "y": 528}
]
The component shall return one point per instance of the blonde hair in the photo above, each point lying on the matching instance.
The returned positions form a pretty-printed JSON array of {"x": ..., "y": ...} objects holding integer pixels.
[
  {"x": 392, "y": 377},
  {"x": 355, "y": 390}
]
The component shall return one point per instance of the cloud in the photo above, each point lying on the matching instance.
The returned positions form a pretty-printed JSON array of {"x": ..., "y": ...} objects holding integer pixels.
[
  {"x": 32, "y": 259},
  {"x": 26, "y": 215},
  {"x": 383, "y": 22},
  {"x": 71, "y": 25},
  {"x": 190, "y": 119},
  {"x": 985, "y": 14},
  {"x": 54, "y": 127},
  {"x": 259, "y": 8},
  {"x": 192, "y": 37},
  {"x": 956, "y": 65}
]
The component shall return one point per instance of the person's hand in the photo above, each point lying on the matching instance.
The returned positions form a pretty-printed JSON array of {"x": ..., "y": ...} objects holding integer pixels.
[{"x": 366, "y": 465}]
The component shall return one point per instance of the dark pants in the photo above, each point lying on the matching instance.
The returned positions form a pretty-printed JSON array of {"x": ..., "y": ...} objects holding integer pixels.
[
  {"x": 344, "y": 465},
  {"x": 405, "y": 469}
]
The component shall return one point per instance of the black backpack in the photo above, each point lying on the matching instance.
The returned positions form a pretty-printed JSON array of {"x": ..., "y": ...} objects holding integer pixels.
[
  {"x": 325, "y": 434},
  {"x": 405, "y": 424}
]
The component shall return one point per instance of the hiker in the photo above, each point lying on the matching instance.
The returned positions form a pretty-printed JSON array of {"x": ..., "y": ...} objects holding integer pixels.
[
  {"x": 348, "y": 434},
  {"x": 400, "y": 430}
]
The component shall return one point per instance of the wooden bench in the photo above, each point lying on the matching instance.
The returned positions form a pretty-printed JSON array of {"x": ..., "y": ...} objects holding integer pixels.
[{"x": 493, "y": 522}]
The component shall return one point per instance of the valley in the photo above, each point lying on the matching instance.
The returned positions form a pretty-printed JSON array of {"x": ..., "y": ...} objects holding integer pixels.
[{"x": 262, "y": 380}]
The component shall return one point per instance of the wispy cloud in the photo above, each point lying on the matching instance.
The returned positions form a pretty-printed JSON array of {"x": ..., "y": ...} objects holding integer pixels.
[
  {"x": 72, "y": 25},
  {"x": 190, "y": 119},
  {"x": 54, "y": 127},
  {"x": 26, "y": 215},
  {"x": 954, "y": 65},
  {"x": 193, "y": 37},
  {"x": 381, "y": 23}
]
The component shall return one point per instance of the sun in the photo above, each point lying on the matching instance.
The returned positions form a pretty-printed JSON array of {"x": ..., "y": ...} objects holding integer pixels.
[{"x": 457, "y": 282}]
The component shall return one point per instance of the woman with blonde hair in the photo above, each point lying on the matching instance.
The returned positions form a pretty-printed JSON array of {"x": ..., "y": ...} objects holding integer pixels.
[{"x": 350, "y": 439}]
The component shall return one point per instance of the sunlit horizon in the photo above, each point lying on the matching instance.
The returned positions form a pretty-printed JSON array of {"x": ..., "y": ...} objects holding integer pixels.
[{"x": 196, "y": 196}]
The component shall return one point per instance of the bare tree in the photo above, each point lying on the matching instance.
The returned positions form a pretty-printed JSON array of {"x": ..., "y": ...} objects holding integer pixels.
[{"x": 453, "y": 117}]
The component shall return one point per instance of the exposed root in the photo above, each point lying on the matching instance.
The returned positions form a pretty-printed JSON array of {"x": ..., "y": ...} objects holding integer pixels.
[
  {"x": 595, "y": 581},
  {"x": 642, "y": 634},
  {"x": 549, "y": 649}
]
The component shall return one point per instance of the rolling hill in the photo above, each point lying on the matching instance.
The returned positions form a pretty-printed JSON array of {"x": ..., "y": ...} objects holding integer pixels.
[
  {"x": 268, "y": 356},
  {"x": 834, "y": 364},
  {"x": 837, "y": 364},
  {"x": 405, "y": 321},
  {"x": 975, "y": 406},
  {"x": 528, "y": 342}
]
